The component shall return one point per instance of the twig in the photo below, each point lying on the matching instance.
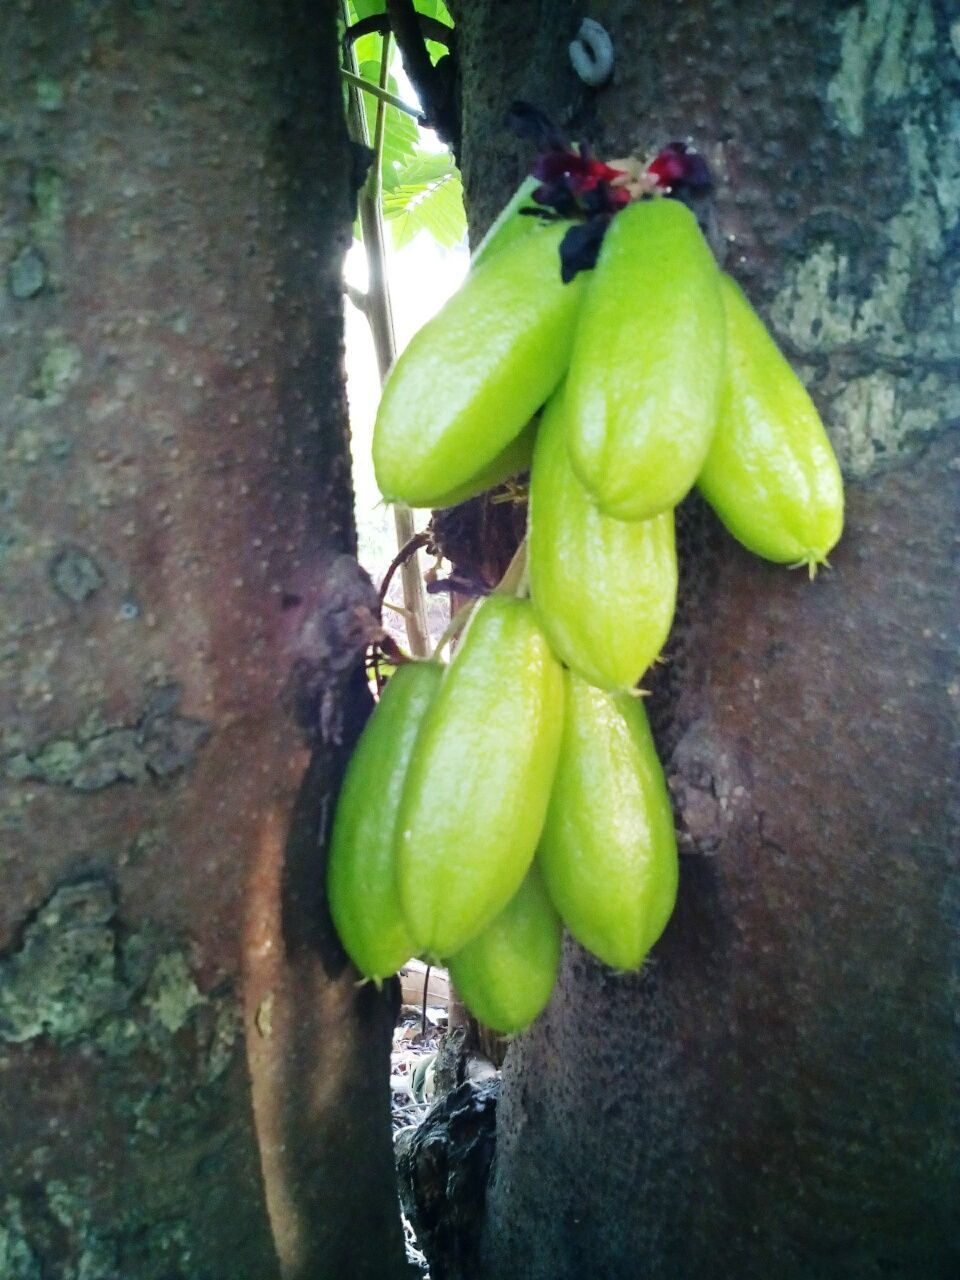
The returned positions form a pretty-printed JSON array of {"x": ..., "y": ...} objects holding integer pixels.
[
  {"x": 379, "y": 24},
  {"x": 357, "y": 297},
  {"x": 382, "y": 95},
  {"x": 389, "y": 649},
  {"x": 433, "y": 84},
  {"x": 423, "y": 1007},
  {"x": 380, "y": 318},
  {"x": 403, "y": 555}
]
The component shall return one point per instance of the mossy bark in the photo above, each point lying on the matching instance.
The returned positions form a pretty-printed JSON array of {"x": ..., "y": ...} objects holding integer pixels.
[
  {"x": 772, "y": 1094},
  {"x": 175, "y": 505}
]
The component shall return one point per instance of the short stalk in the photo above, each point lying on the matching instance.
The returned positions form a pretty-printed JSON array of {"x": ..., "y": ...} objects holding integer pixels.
[
  {"x": 515, "y": 579},
  {"x": 456, "y": 625}
]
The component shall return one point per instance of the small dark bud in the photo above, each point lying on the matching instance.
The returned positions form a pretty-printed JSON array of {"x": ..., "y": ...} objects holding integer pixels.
[
  {"x": 580, "y": 247},
  {"x": 558, "y": 196},
  {"x": 683, "y": 170}
]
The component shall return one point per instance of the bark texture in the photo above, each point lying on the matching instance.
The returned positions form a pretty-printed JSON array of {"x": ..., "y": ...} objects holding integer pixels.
[
  {"x": 174, "y": 501},
  {"x": 773, "y": 1094}
]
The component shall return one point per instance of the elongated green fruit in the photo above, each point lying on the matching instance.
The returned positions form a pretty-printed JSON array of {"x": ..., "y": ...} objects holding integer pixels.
[
  {"x": 608, "y": 853},
  {"x": 505, "y": 975},
  {"x": 510, "y": 224},
  {"x": 513, "y": 459},
  {"x": 771, "y": 474},
  {"x": 604, "y": 589},
  {"x": 479, "y": 782},
  {"x": 361, "y": 877},
  {"x": 644, "y": 384},
  {"x": 474, "y": 375}
]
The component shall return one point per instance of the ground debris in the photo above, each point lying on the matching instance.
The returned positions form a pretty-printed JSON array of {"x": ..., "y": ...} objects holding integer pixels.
[
  {"x": 443, "y": 1165},
  {"x": 412, "y": 1056},
  {"x": 443, "y": 1144}
]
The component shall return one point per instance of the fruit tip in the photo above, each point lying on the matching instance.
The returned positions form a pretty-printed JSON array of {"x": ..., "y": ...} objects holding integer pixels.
[
  {"x": 811, "y": 562},
  {"x": 364, "y": 981}
]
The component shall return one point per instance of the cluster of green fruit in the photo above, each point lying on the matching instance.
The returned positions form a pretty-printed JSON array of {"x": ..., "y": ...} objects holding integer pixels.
[{"x": 517, "y": 790}]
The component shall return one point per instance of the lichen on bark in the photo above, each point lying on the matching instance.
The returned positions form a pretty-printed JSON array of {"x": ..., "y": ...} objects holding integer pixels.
[
  {"x": 80, "y": 979},
  {"x": 175, "y": 206}
]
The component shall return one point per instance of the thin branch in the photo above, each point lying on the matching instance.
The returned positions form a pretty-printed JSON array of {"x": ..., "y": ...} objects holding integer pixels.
[
  {"x": 375, "y": 24},
  {"x": 380, "y": 317},
  {"x": 381, "y": 94},
  {"x": 357, "y": 297},
  {"x": 423, "y": 1007},
  {"x": 403, "y": 555},
  {"x": 404, "y": 20},
  {"x": 434, "y": 84},
  {"x": 375, "y": 176},
  {"x": 379, "y": 24}
]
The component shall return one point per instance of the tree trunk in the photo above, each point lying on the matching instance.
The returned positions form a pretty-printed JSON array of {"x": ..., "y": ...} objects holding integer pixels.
[
  {"x": 773, "y": 1094},
  {"x": 174, "y": 505}
]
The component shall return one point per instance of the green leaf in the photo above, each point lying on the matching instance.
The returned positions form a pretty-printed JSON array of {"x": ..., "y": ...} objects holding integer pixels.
[
  {"x": 360, "y": 9},
  {"x": 436, "y": 51},
  {"x": 364, "y": 8},
  {"x": 366, "y": 45},
  {"x": 426, "y": 167},
  {"x": 435, "y": 9},
  {"x": 426, "y": 196}
]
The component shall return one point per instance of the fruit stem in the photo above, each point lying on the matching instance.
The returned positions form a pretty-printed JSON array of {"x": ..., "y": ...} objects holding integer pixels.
[
  {"x": 514, "y": 580},
  {"x": 456, "y": 625}
]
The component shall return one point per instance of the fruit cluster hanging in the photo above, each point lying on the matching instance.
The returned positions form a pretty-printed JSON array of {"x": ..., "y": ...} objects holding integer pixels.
[{"x": 516, "y": 791}]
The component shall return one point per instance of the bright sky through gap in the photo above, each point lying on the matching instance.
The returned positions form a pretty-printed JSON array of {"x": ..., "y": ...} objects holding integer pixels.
[{"x": 422, "y": 276}]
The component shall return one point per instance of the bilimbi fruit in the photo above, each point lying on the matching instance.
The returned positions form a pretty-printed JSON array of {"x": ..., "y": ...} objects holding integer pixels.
[
  {"x": 770, "y": 474},
  {"x": 362, "y": 884},
  {"x": 518, "y": 790},
  {"x": 474, "y": 376},
  {"x": 643, "y": 388},
  {"x": 478, "y": 785},
  {"x": 604, "y": 589}
]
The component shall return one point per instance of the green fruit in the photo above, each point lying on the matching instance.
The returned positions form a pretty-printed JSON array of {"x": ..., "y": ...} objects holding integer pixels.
[
  {"x": 480, "y": 778},
  {"x": 514, "y": 458},
  {"x": 361, "y": 876},
  {"x": 604, "y": 589},
  {"x": 475, "y": 374},
  {"x": 506, "y": 974},
  {"x": 608, "y": 852},
  {"x": 644, "y": 385},
  {"x": 510, "y": 224},
  {"x": 770, "y": 475}
]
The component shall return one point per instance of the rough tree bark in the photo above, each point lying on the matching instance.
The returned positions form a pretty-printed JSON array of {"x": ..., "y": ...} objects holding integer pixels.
[
  {"x": 773, "y": 1094},
  {"x": 175, "y": 493}
]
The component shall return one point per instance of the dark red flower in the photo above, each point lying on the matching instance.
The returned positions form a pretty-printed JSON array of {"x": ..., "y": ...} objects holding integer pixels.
[
  {"x": 678, "y": 166},
  {"x": 581, "y": 172}
]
